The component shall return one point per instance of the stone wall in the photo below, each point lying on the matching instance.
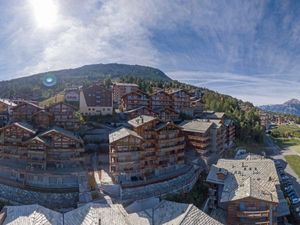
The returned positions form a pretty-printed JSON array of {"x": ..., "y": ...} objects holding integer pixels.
[{"x": 49, "y": 200}]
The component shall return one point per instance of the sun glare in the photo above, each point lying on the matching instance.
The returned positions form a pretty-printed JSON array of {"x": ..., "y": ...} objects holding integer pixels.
[{"x": 45, "y": 12}]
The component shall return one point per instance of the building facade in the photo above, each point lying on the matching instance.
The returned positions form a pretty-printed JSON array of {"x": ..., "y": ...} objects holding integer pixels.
[
  {"x": 96, "y": 100},
  {"x": 121, "y": 89},
  {"x": 135, "y": 100},
  {"x": 247, "y": 189},
  {"x": 151, "y": 149}
]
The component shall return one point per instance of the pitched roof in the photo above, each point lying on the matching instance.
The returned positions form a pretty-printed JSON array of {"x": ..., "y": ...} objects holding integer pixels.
[
  {"x": 32, "y": 214},
  {"x": 126, "y": 84},
  {"x": 122, "y": 133},
  {"x": 22, "y": 125},
  {"x": 172, "y": 213},
  {"x": 92, "y": 213},
  {"x": 256, "y": 178},
  {"x": 141, "y": 120},
  {"x": 213, "y": 115},
  {"x": 200, "y": 126},
  {"x": 27, "y": 103},
  {"x": 62, "y": 131},
  {"x": 8, "y": 102}
]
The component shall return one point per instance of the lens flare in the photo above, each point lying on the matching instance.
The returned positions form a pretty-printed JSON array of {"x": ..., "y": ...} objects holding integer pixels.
[{"x": 49, "y": 80}]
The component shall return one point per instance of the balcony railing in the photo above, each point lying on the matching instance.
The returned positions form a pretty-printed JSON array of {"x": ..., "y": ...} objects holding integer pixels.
[{"x": 253, "y": 214}]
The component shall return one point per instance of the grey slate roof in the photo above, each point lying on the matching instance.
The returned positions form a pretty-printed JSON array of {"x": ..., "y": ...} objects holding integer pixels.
[
  {"x": 140, "y": 120},
  {"x": 63, "y": 132},
  {"x": 172, "y": 213},
  {"x": 200, "y": 126},
  {"x": 122, "y": 133},
  {"x": 255, "y": 178},
  {"x": 32, "y": 215},
  {"x": 25, "y": 126}
]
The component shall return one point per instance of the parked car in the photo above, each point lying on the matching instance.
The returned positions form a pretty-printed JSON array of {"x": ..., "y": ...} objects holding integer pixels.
[
  {"x": 295, "y": 201},
  {"x": 288, "y": 188}
]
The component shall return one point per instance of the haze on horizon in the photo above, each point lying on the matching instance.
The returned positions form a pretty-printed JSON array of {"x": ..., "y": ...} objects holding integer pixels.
[{"x": 247, "y": 49}]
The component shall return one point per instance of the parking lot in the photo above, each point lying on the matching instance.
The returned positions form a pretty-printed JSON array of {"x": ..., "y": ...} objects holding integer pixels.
[{"x": 290, "y": 187}]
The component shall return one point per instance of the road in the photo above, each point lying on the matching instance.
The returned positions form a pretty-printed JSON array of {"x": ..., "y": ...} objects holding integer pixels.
[{"x": 279, "y": 153}]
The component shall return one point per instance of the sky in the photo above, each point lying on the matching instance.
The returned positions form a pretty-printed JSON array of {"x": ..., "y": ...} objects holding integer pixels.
[{"x": 247, "y": 49}]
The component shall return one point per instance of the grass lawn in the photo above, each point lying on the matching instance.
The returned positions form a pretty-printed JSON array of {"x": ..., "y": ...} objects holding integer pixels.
[
  {"x": 256, "y": 148},
  {"x": 55, "y": 99},
  {"x": 294, "y": 162},
  {"x": 292, "y": 143},
  {"x": 285, "y": 131}
]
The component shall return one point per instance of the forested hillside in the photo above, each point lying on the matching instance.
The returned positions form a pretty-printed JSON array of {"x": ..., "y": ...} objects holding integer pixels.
[
  {"x": 245, "y": 115},
  {"x": 33, "y": 87}
]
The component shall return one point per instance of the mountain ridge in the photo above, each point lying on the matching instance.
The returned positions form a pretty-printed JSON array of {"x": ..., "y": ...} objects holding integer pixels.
[{"x": 291, "y": 107}]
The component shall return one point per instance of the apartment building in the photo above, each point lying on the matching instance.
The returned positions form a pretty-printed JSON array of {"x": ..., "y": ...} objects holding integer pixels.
[
  {"x": 72, "y": 94},
  {"x": 181, "y": 101},
  {"x": 198, "y": 135},
  {"x": 247, "y": 190},
  {"x": 96, "y": 100},
  {"x": 5, "y": 110},
  {"x": 64, "y": 115},
  {"x": 43, "y": 119},
  {"x": 167, "y": 114},
  {"x": 121, "y": 89},
  {"x": 24, "y": 111},
  {"x": 130, "y": 114},
  {"x": 161, "y": 99},
  {"x": 51, "y": 159},
  {"x": 135, "y": 100},
  {"x": 229, "y": 132},
  {"x": 151, "y": 149}
]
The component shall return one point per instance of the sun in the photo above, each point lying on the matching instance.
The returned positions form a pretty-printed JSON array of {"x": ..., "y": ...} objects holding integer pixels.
[{"x": 45, "y": 12}]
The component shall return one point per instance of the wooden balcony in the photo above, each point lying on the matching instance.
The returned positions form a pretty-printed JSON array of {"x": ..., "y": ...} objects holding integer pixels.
[
  {"x": 253, "y": 214},
  {"x": 198, "y": 138}
]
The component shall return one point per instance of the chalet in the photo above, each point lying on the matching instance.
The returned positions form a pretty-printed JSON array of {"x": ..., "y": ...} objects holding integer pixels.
[
  {"x": 229, "y": 132},
  {"x": 135, "y": 100},
  {"x": 161, "y": 99},
  {"x": 96, "y": 100},
  {"x": 124, "y": 155},
  {"x": 6, "y": 105},
  {"x": 42, "y": 119},
  {"x": 181, "y": 101},
  {"x": 64, "y": 115},
  {"x": 24, "y": 111},
  {"x": 5, "y": 111},
  {"x": 130, "y": 114},
  {"x": 198, "y": 135},
  {"x": 50, "y": 160},
  {"x": 121, "y": 89},
  {"x": 167, "y": 114},
  {"x": 150, "y": 150},
  {"x": 248, "y": 190}
]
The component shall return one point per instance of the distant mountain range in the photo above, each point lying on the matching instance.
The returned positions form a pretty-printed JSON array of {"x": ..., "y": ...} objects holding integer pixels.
[
  {"x": 33, "y": 86},
  {"x": 290, "y": 107}
]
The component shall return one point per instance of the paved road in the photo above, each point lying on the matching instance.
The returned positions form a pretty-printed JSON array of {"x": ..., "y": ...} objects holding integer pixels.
[{"x": 278, "y": 153}]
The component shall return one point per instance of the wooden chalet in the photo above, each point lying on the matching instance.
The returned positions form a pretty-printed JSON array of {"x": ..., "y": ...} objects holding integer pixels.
[
  {"x": 24, "y": 111},
  {"x": 161, "y": 99},
  {"x": 64, "y": 115},
  {"x": 155, "y": 149},
  {"x": 135, "y": 100},
  {"x": 42, "y": 119}
]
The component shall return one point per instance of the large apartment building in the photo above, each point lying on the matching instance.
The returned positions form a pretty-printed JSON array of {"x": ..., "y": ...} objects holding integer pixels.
[
  {"x": 96, "y": 100},
  {"x": 181, "y": 101},
  {"x": 24, "y": 111},
  {"x": 121, "y": 89},
  {"x": 247, "y": 190},
  {"x": 161, "y": 99},
  {"x": 149, "y": 150},
  {"x": 64, "y": 115},
  {"x": 135, "y": 100},
  {"x": 49, "y": 159}
]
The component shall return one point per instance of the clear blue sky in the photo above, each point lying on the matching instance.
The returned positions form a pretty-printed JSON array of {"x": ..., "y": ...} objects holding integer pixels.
[{"x": 248, "y": 49}]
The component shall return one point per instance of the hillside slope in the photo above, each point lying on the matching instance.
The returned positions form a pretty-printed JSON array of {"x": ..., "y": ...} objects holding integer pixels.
[
  {"x": 290, "y": 107},
  {"x": 33, "y": 87}
]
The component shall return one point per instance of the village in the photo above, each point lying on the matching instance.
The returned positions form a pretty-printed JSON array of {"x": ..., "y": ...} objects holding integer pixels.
[{"x": 118, "y": 146}]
